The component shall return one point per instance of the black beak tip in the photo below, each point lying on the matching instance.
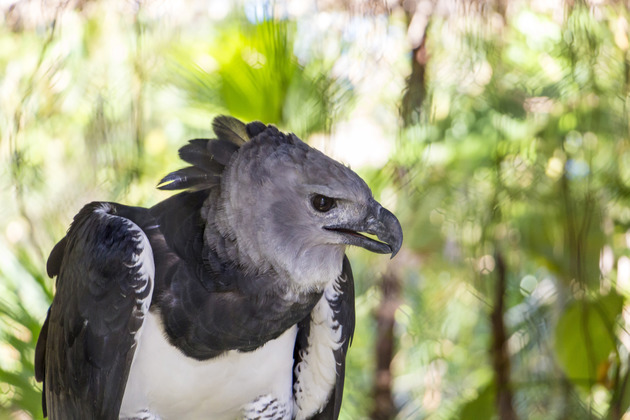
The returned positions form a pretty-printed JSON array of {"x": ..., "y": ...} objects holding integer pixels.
[
  {"x": 396, "y": 244},
  {"x": 392, "y": 232},
  {"x": 387, "y": 228}
]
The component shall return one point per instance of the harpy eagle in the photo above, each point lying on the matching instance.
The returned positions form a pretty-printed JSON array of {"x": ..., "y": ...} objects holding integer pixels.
[{"x": 232, "y": 299}]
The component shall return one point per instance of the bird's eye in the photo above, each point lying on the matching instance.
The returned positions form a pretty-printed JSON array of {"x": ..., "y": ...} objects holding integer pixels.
[{"x": 322, "y": 203}]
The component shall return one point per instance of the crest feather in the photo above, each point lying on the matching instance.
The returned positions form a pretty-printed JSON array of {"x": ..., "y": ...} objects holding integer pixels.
[
  {"x": 229, "y": 128},
  {"x": 222, "y": 150},
  {"x": 209, "y": 157},
  {"x": 189, "y": 178},
  {"x": 198, "y": 154}
]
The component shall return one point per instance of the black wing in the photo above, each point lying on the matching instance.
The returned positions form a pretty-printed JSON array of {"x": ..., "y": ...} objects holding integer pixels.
[
  {"x": 105, "y": 270},
  {"x": 321, "y": 348}
]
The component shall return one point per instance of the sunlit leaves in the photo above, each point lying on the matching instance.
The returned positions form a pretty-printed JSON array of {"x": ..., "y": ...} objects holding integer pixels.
[{"x": 254, "y": 74}]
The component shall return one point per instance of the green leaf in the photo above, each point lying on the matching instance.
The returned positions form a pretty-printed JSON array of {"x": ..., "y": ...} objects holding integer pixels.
[
  {"x": 482, "y": 407},
  {"x": 585, "y": 338}
]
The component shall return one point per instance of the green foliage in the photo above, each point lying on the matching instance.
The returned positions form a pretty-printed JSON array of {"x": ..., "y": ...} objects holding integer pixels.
[
  {"x": 519, "y": 146},
  {"x": 482, "y": 407},
  {"x": 585, "y": 338},
  {"x": 251, "y": 72},
  {"x": 19, "y": 329}
]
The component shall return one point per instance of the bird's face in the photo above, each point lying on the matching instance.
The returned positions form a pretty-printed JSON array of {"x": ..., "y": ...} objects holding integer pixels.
[{"x": 304, "y": 210}]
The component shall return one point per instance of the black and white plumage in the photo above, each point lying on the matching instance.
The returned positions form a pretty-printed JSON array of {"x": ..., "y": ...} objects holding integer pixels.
[{"x": 232, "y": 299}]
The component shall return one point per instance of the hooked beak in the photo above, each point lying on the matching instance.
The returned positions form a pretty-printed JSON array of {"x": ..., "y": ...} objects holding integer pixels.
[{"x": 379, "y": 222}]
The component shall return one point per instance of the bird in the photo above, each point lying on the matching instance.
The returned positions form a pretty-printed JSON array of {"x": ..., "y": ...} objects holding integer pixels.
[{"x": 233, "y": 298}]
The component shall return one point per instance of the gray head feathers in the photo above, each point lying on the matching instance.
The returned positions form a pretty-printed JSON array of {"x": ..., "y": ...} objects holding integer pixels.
[{"x": 263, "y": 213}]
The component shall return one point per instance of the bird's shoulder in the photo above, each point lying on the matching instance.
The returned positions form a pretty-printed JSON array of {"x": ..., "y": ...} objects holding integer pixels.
[{"x": 103, "y": 262}]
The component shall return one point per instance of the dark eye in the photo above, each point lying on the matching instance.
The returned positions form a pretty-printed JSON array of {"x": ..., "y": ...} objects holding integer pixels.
[{"x": 322, "y": 203}]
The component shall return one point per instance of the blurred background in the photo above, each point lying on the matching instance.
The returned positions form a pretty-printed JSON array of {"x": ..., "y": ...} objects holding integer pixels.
[{"x": 496, "y": 130}]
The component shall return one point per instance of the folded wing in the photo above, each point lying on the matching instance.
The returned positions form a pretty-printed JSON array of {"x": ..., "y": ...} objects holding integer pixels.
[{"x": 105, "y": 271}]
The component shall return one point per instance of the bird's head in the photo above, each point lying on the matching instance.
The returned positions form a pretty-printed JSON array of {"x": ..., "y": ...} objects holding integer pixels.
[{"x": 292, "y": 207}]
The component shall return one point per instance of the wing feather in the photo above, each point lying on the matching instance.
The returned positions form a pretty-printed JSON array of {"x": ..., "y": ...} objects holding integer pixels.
[{"x": 105, "y": 272}]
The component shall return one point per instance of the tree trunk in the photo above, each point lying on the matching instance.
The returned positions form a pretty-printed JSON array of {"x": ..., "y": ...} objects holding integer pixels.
[
  {"x": 384, "y": 408},
  {"x": 499, "y": 350}
]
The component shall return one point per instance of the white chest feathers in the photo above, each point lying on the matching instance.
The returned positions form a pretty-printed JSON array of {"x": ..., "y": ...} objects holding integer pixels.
[
  {"x": 164, "y": 384},
  {"x": 316, "y": 373}
]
